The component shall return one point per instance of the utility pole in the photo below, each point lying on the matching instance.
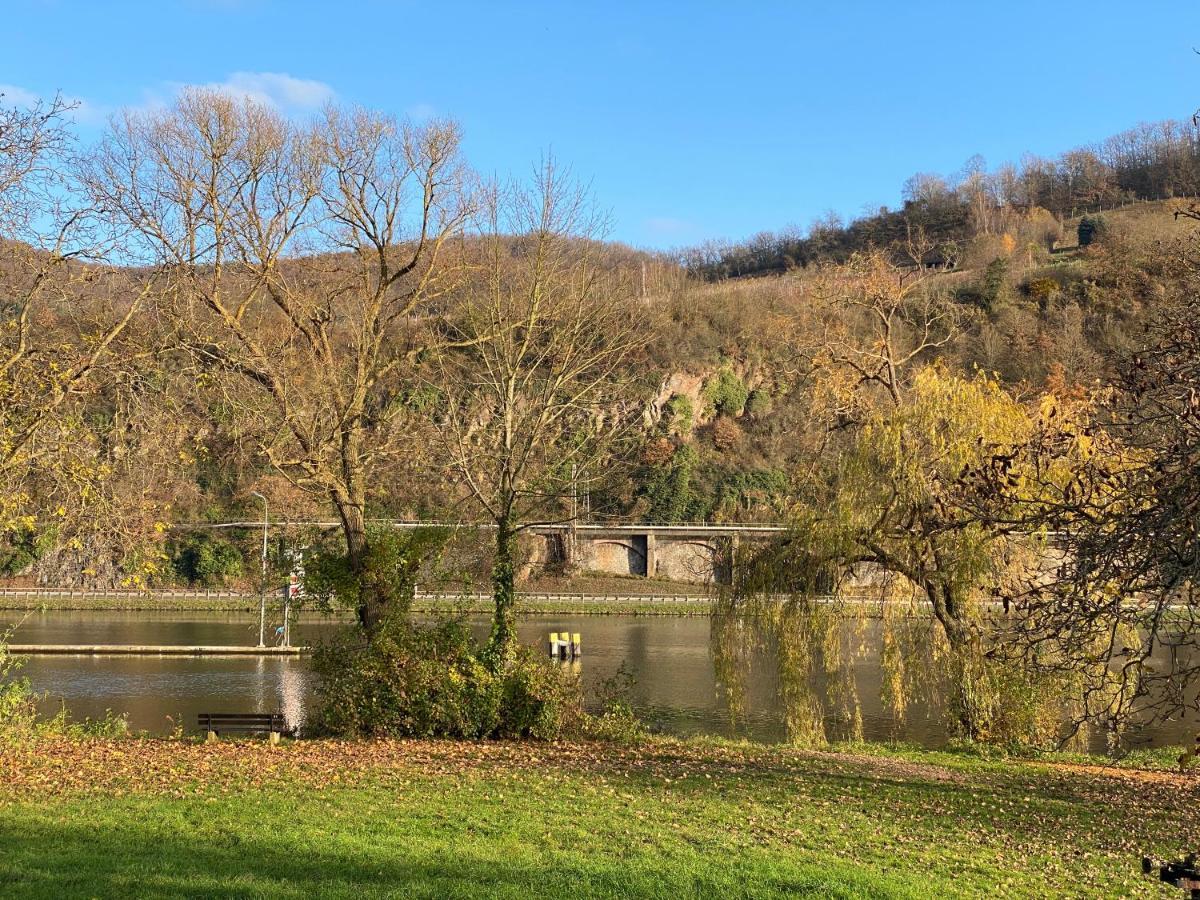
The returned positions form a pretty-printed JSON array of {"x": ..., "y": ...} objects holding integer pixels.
[
  {"x": 287, "y": 614},
  {"x": 262, "y": 592},
  {"x": 573, "y": 537}
]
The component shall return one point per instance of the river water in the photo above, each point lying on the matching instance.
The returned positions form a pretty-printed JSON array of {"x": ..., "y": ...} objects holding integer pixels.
[{"x": 675, "y": 690}]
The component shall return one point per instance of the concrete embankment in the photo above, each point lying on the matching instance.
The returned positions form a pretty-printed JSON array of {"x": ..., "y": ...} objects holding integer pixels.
[{"x": 148, "y": 650}]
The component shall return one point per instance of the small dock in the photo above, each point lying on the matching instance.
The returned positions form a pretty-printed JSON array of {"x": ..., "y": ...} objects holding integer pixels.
[{"x": 149, "y": 650}]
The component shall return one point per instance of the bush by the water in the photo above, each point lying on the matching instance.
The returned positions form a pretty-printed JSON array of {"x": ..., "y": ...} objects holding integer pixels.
[
  {"x": 616, "y": 721},
  {"x": 18, "y": 703},
  {"x": 19, "y": 716},
  {"x": 414, "y": 680}
]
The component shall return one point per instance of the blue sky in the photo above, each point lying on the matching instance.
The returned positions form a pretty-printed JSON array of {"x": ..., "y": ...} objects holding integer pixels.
[{"x": 691, "y": 120}]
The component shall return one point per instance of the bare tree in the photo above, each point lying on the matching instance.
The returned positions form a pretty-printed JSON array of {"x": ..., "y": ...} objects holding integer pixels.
[
  {"x": 306, "y": 264},
  {"x": 542, "y": 392},
  {"x": 880, "y": 323},
  {"x": 61, "y": 319}
]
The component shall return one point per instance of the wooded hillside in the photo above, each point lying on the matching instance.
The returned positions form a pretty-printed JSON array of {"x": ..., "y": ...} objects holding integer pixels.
[{"x": 292, "y": 330}]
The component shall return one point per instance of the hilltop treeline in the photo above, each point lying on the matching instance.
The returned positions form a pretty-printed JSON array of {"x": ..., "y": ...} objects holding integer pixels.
[{"x": 942, "y": 215}]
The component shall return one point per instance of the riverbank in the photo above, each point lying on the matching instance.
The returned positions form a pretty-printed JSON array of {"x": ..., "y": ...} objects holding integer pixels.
[
  {"x": 526, "y": 605},
  {"x": 664, "y": 819}
]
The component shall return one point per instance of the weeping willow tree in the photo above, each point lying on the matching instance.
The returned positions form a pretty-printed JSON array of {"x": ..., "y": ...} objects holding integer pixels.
[
  {"x": 920, "y": 499},
  {"x": 780, "y": 606}
]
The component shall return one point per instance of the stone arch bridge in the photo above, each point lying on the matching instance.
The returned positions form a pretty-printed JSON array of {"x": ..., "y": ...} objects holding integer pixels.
[
  {"x": 701, "y": 554},
  {"x": 692, "y": 553}
]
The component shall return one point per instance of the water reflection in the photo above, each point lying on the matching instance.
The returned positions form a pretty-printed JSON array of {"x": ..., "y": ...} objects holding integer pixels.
[{"x": 676, "y": 689}]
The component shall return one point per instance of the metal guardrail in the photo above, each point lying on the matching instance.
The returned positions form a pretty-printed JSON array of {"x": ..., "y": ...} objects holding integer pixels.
[
  {"x": 552, "y": 597},
  {"x": 125, "y": 592},
  {"x": 475, "y": 597},
  {"x": 542, "y": 528}
]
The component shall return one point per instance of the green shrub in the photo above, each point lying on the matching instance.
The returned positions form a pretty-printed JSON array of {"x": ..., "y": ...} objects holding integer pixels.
[
  {"x": 425, "y": 680},
  {"x": 668, "y": 489},
  {"x": 1091, "y": 230},
  {"x": 541, "y": 700},
  {"x": 726, "y": 393},
  {"x": 429, "y": 681},
  {"x": 204, "y": 561},
  {"x": 407, "y": 681},
  {"x": 758, "y": 403},
  {"x": 994, "y": 287},
  {"x": 21, "y": 548},
  {"x": 616, "y": 723},
  {"x": 18, "y": 702},
  {"x": 678, "y": 414},
  {"x": 756, "y": 490},
  {"x": 616, "y": 720}
]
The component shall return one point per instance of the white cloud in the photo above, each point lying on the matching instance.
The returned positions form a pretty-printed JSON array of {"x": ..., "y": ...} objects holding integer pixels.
[
  {"x": 421, "y": 112},
  {"x": 86, "y": 113},
  {"x": 277, "y": 89},
  {"x": 16, "y": 96},
  {"x": 80, "y": 110}
]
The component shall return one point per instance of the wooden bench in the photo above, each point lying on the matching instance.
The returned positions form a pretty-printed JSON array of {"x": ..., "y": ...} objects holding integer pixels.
[{"x": 271, "y": 724}]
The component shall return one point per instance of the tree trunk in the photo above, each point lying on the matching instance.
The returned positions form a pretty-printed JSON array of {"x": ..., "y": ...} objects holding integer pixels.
[
  {"x": 502, "y": 644},
  {"x": 947, "y": 608},
  {"x": 376, "y": 586},
  {"x": 371, "y": 600},
  {"x": 970, "y": 696}
]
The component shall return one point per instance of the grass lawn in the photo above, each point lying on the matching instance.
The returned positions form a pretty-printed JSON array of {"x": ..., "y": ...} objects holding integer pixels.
[{"x": 142, "y": 817}]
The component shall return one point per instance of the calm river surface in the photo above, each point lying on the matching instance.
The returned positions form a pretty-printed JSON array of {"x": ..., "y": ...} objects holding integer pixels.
[{"x": 676, "y": 690}]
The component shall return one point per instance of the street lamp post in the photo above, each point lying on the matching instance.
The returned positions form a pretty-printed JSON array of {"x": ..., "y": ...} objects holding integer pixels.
[{"x": 262, "y": 594}]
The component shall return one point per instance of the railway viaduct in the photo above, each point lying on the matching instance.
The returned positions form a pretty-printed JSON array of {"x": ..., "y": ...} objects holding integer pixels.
[
  {"x": 701, "y": 554},
  {"x": 690, "y": 553}
]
